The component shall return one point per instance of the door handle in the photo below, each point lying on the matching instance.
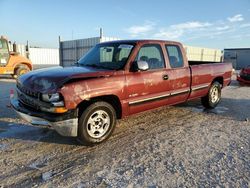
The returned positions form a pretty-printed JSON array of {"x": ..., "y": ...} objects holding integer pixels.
[{"x": 165, "y": 77}]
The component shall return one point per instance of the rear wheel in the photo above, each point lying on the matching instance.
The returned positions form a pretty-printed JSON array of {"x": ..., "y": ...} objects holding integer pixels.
[
  {"x": 96, "y": 123},
  {"x": 213, "y": 97},
  {"x": 22, "y": 69}
]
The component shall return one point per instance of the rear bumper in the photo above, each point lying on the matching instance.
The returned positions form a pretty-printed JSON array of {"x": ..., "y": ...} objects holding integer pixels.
[
  {"x": 65, "y": 124},
  {"x": 242, "y": 80}
]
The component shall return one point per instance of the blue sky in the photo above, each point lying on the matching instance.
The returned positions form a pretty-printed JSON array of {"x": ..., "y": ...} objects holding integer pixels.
[{"x": 210, "y": 23}]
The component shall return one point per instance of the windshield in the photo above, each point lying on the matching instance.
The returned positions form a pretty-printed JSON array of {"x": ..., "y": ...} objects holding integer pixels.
[{"x": 107, "y": 56}]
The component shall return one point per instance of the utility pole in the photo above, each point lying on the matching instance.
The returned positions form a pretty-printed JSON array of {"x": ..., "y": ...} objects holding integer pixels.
[
  {"x": 101, "y": 33},
  {"x": 60, "y": 51}
]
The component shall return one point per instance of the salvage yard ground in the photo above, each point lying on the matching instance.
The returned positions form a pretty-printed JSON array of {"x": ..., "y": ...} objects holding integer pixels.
[{"x": 183, "y": 145}]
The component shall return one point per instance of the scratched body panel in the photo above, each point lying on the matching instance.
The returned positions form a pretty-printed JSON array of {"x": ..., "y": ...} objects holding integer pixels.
[
  {"x": 85, "y": 89},
  {"x": 184, "y": 83},
  {"x": 164, "y": 78},
  {"x": 136, "y": 90}
]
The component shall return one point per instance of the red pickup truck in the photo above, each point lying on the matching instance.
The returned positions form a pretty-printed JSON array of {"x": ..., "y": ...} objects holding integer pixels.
[{"x": 114, "y": 80}]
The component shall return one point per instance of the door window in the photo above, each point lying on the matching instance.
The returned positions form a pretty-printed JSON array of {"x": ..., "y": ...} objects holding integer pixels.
[
  {"x": 106, "y": 54},
  {"x": 152, "y": 54}
]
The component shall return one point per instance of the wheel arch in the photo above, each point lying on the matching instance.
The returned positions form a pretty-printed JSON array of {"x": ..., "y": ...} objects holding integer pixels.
[
  {"x": 19, "y": 64},
  {"x": 113, "y": 100},
  {"x": 219, "y": 79}
]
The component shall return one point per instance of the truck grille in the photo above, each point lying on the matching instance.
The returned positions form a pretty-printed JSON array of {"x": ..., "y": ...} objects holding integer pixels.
[
  {"x": 28, "y": 101},
  {"x": 28, "y": 97},
  {"x": 28, "y": 91}
]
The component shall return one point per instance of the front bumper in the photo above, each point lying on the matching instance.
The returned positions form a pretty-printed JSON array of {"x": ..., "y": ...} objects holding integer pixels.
[
  {"x": 242, "y": 80},
  {"x": 65, "y": 124}
]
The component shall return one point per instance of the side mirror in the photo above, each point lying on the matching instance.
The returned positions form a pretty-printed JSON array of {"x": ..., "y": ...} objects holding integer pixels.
[{"x": 142, "y": 65}]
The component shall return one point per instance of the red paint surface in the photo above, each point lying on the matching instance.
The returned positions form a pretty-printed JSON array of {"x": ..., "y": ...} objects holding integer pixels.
[
  {"x": 244, "y": 72},
  {"x": 133, "y": 86}
]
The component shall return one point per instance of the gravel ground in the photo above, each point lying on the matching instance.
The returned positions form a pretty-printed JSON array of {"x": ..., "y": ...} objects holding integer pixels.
[{"x": 179, "y": 146}]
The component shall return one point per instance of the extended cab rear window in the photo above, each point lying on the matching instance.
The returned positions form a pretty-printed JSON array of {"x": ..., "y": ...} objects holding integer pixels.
[{"x": 174, "y": 56}]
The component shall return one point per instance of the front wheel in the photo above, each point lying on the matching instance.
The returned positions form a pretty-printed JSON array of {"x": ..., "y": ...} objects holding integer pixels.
[
  {"x": 96, "y": 123},
  {"x": 213, "y": 97}
]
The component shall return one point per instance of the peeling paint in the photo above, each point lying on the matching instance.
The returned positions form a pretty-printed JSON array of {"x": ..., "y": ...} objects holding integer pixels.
[
  {"x": 133, "y": 95},
  {"x": 144, "y": 93},
  {"x": 78, "y": 88},
  {"x": 85, "y": 96}
]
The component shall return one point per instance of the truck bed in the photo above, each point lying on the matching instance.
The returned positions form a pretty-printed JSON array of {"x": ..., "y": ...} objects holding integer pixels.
[{"x": 204, "y": 73}]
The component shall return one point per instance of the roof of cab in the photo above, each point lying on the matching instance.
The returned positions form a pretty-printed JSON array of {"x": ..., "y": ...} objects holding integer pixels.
[{"x": 141, "y": 41}]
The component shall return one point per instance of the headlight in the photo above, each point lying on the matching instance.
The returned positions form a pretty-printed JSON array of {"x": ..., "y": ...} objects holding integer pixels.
[
  {"x": 60, "y": 103},
  {"x": 51, "y": 97},
  {"x": 56, "y": 101}
]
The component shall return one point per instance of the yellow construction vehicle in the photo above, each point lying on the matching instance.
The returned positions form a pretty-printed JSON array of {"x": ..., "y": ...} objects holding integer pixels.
[{"x": 11, "y": 62}]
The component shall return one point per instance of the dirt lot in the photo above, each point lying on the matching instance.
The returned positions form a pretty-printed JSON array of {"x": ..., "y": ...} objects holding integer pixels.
[{"x": 180, "y": 146}]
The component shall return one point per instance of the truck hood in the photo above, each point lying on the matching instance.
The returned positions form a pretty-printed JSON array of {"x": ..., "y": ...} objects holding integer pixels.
[{"x": 48, "y": 80}]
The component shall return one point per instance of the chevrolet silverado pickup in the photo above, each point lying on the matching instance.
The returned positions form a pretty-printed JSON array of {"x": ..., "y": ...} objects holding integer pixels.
[{"x": 114, "y": 80}]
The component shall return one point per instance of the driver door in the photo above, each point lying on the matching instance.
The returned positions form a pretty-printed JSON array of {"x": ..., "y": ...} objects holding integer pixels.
[{"x": 148, "y": 89}]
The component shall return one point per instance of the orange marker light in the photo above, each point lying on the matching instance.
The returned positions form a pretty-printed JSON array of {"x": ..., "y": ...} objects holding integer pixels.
[{"x": 60, "y": 110}]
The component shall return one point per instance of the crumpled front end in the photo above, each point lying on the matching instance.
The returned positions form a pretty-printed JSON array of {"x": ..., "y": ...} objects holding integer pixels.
[{"x": 66, "y": 124}]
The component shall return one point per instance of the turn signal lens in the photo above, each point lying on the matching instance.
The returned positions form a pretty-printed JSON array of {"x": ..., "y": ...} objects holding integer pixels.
[
  {"x": 60, "y": 110},
  {"x": 55, "y": 109}
]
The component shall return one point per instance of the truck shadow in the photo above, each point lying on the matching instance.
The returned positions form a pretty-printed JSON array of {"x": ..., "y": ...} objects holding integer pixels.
[
  {"x": 236, "y": 109},
  {"x": 32, "y": 133},
  {"x": 230, "y": 108}
]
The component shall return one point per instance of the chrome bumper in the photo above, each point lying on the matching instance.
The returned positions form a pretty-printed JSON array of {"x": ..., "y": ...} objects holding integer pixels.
[{"x": 66, "y": 127}]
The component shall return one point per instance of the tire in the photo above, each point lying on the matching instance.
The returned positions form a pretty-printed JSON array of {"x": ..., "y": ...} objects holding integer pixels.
[
  {"x": 96, "y": 124},
  {"x": 22, "y": 69},
  {"x": 212, "y": 99},
  {"x": 14, "y": 76}
]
